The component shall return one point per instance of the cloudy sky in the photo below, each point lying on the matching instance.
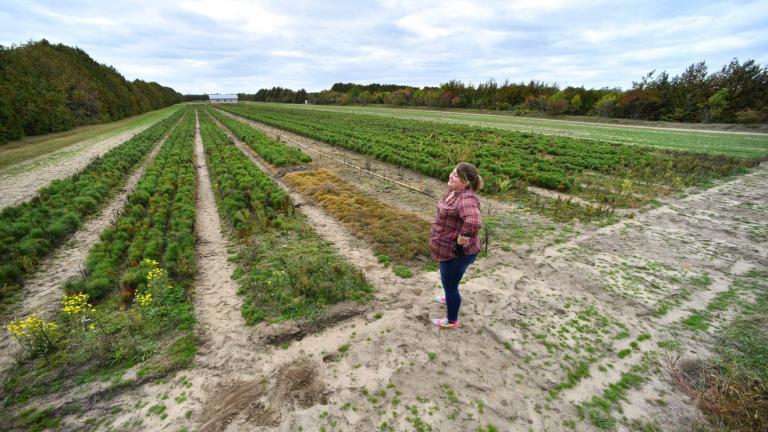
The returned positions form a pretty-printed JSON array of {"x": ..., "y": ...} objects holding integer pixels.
[{"x": 210, "y": 46}]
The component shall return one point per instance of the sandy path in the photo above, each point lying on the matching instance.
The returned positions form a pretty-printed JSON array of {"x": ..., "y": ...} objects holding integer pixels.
[
  {"x": 21, "y": 182},
  {"x": 216, "y": 301},
  {"x": 43, "y": 290}
]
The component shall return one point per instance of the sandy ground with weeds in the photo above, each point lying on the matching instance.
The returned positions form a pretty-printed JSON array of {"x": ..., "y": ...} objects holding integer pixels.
[
  {"x": 531, "y": 315},
  {"x": 21, "y": 182},
  {"x": 43, "y": 291}
]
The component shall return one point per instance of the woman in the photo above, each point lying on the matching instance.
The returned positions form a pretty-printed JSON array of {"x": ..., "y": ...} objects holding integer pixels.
[{"x": 454, "y": 240}]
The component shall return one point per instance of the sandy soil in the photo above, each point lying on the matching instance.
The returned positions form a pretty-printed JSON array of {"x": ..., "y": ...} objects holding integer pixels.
[
  {"x": 21, "y": 182},
  {"x": 43, "y": 291},
  {"x": 388, "y": 368}
]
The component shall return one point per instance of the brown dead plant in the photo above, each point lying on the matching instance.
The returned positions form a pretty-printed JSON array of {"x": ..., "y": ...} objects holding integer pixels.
[
  {"x": 737, "y": 401},
  {"x": 401, "y": 235}
]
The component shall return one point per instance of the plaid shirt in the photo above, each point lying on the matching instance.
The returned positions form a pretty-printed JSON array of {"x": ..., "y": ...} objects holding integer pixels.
[{"x": 459, "y": 215}]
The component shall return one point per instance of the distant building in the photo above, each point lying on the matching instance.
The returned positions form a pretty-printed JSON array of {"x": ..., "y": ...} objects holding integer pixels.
[{"x": 222, "y": 98}]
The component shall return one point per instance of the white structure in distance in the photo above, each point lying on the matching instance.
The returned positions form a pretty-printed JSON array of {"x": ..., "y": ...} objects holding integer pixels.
[{"x": 222, "y": 98}]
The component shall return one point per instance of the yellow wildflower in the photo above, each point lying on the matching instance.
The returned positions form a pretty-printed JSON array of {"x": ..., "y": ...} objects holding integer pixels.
[
  {"x": 150, "y": 262},
  {"x": 143, "y": 299},
  {"x": 76, "y": 304},
  {"x": 32, "y": 332}
]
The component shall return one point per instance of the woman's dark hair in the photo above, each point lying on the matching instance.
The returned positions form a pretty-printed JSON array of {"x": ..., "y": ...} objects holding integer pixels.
[{"x": 469, "y": 173}]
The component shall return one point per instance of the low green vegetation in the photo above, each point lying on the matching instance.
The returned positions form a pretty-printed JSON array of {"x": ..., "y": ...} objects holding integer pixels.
[
  {"x": 744, "y": 145},
  {"x": 286, "y": 271},
  {"x": 507, "y": 159},
  {"x": 132, "y": 304},
  {"x": 732, "y": 386},
  {"x": 274, "y": 152},
  {"x": 30, "y": 231}
]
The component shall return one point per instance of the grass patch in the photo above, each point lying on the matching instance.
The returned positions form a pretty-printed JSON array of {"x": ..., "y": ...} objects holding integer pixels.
[
  {"x": 402, "y": 271},
  {"x": 696, "y": 321},
  {"x": 291, "y": 273}
]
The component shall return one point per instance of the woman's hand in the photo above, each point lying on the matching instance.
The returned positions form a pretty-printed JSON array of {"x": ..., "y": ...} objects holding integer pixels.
[{"x": 462, "y": 240}]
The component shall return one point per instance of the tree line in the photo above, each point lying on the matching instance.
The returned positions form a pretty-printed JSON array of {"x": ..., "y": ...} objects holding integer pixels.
[
  {"x": 737, "y": 93},
  {"x": 50, "y": 88}
]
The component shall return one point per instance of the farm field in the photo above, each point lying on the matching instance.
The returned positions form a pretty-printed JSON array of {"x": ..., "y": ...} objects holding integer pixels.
[
  {"x": 598, "y": 177},
  {"x": 242, "y": 273},
  {"x": 32, "y": 163},
  {"x": 744, "y": 144}
]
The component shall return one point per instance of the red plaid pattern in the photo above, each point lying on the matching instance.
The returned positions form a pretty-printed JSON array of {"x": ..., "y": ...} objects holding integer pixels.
[{"x": 458, "y": 215}]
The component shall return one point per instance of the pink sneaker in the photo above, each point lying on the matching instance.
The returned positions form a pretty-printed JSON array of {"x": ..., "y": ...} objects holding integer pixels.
[
  {"x": 440, "y": 299},
  {"x": 443, "y": 323}
]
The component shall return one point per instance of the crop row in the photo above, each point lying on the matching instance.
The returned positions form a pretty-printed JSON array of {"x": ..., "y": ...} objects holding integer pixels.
[
  {"x": 248, "y": 198},
  {"x": 504, "y": 157},
  {"x": 157, "y": 223},
  {"x": 286, "y": 271},
  {"x": 31, "y": 230},
  {"x": 276, "y": 153}
]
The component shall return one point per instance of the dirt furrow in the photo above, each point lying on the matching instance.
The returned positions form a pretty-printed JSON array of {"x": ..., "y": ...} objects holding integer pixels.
[
  {"x": 42, "y": 292},
  {"x": 21, "y": 182},
  {"x": 216, "y": 301}
]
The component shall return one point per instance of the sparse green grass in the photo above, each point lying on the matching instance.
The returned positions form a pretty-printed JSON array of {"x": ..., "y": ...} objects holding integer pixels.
[
  {"x": 34, "y": 420},
  {"x": 599, "y": 409}
]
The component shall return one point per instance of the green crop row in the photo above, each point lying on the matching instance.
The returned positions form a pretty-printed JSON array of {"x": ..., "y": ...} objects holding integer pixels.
[
  {"x": 248, "y": 198},
  {"x": 276, "y": 153},
  {"x": 31, "y": 230},
  {"x": 504, "y": 157},
  {"x": 286, "y": 271},
  {"x": 157, "y": 223}
]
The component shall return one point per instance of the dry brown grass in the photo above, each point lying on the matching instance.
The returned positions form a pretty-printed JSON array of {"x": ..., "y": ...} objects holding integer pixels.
[
  {"x": 735, "y": 401},
  {"x": 396, "y": 233}
]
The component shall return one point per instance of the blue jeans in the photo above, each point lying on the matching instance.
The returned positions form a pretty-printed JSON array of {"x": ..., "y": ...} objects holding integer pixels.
[{"x": 451, "y": 272}]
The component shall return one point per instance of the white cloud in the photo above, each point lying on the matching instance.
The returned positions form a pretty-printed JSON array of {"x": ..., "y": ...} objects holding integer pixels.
[
  {"x": 238, "y": 45},
  {"x": 250, "y": 16}
]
